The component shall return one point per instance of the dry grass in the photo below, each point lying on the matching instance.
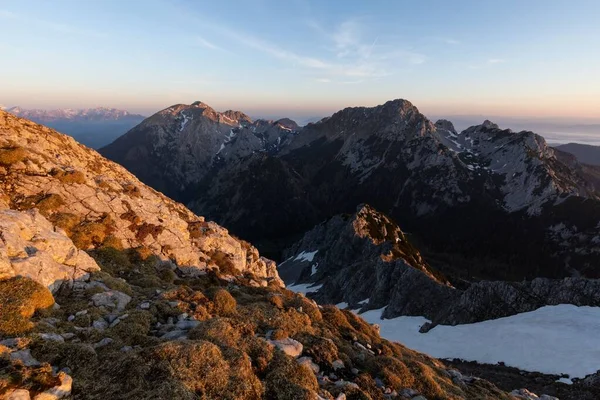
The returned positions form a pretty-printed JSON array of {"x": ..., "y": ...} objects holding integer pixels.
[{"x": 19, "y": 299}]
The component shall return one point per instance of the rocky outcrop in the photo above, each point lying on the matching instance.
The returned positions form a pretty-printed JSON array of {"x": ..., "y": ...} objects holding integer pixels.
[
  {"x": 367, "y": 262},
  {"x": 32, "y": 247},
  {"x": 100, "y": 204}
]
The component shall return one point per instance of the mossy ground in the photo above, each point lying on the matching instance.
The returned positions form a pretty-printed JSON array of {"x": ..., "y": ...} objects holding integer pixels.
[{"x": 227, "y": 355}]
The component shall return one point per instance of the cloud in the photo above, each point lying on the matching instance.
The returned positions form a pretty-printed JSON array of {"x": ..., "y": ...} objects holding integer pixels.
[
  {"x": 496, "y": 61},
  {"x": 208, "y": 45},
  {"x": 450, "y": 41},
  {"x": 347, "y": 52}
]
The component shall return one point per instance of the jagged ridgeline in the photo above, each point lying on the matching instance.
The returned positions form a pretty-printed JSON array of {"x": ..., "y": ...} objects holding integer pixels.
[
  {"x": 108, "y": 289},
  {"x": 502, "y": 204}
]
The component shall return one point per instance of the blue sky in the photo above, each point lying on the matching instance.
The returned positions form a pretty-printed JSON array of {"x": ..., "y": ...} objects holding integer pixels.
[{"x": 513, "y": 58}]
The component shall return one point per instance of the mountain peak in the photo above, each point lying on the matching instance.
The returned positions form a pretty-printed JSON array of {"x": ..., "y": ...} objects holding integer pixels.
[
  {"x": 446, "y": 125},
  {"x": 489, "y": 124}
]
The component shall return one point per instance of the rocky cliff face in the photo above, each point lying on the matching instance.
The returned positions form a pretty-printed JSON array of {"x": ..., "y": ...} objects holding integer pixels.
[
  {"x": 365, "y": 261},
  {"x": 98, "y": 204}
]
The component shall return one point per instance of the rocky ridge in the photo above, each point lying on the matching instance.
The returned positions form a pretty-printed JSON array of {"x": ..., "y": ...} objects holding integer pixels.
[{"x": 367, "y": 262}]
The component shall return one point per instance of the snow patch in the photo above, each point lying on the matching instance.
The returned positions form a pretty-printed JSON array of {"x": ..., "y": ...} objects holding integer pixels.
[
  {"x": 560, "y": 339},
  {"x": 304, "y": 287},
  {"x": 306, "y": 256},
  {"x": 314, "y": 269}
]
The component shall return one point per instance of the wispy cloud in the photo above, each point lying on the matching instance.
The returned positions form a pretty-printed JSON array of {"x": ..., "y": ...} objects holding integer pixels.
[
  {"x": 496, "y": 61},
  {"x": 50, "y": 25},
  {"x": 347, "y": 52},
  {"x": 207, "y": 44},
  {"x": 450, "y": 41}
]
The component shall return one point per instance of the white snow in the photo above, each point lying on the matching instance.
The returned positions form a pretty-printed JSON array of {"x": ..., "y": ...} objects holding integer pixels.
[
  {"x": 221, "y": 148},
  {"x": 184, "y": 122},
  {"x": 560, "y": 339},
  {"x": 342, "y": 305},
  {"x": 304, "y": 287},
  {"x": 306, "y": 256},
  {"x": 567, "y": 381},
  {"x": 314, "y": 269}
]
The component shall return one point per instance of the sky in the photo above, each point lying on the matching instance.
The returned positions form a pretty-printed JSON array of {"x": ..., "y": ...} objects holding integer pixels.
[{"x": 303, "y": 58}]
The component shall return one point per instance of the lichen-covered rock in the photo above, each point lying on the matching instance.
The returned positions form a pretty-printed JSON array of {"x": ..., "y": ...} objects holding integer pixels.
[{"x": 32, "y": 247}]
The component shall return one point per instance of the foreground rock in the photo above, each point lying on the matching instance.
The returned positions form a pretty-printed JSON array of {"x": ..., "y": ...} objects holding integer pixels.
[{"x": 32, "y": 247}]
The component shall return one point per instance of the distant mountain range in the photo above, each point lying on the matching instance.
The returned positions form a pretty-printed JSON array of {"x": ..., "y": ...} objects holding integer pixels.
[
  {"x": 501, "y": 204},
  {"x": 94, "y": 127},
  {"x": 554, "y": 130},
  {"x": 585, "y": 153}
]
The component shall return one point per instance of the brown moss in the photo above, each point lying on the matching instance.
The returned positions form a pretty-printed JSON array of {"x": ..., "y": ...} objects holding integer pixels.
[
  {"x": 287, "y": 380},
  {"x": 291, "y": 322},
  {"x": 307, "y": 306},
  {"x": 219, "y": 331},
  {"x": 131, "y": 190},
  {"x": 224, "y": 262},
  {"x": 322, "y": 350},
  {"x": 197, "y": 229},
  {"x": 66, "y": 221},
  {"x": 146, "y": 229},
  {"x": 20, "y": 297},
  {"x": 46, "y": 203},
  {"x": 198, "y": 365},
  {"x": 392, "y": 371},
  {"x": 68, "y": 177},
  {"x": 12, "y": 155},
  {"x": 113, "y": 242},
  {"x": 223, "y": 303},
  {"x": 277, "y": 301},
  {"x": 134, "y": 329},
  {"x": 88, "y": 235},
  {"x": 77, "y": 356}
]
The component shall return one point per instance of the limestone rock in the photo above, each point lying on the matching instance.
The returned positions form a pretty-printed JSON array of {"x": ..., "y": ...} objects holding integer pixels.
[
  {"x": 18, "y": 394},
  {"x": 58, "y": 392},
  {"x": 289, "y": 346},
  {"x": 112, "y": 300},
  {"x": 33, "y": 248}
]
